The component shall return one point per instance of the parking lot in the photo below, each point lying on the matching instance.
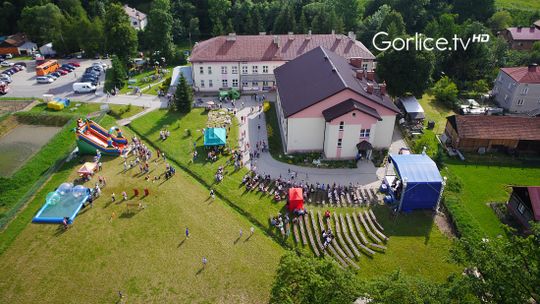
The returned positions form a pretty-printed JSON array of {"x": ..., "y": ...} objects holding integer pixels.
[{"x": 24, "y": 82}]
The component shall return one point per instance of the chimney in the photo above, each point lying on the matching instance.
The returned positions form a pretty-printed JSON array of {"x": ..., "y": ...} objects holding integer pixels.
[
  {"x": 333, "y": 32},
  {"x": 370, "y": 75},
  {"x": 369, "y": 88},
  {"x": 352, "y": 36},
  {"x": 382, "y": 87},
  {"x": 531, "y": 29},
  {"x": 262, "y": 33},
  {"x": 360, "y": 75},
  {"x": 276, "y": 40},
  {"x": 308, "y": 36},
  {"x": 532, "y": 68},
  {"x": 291, "y": 35},
  {"x": 231, "y": 37},
  {"x": 356, "y": 62},
  {"x": 519, "y": 29}
]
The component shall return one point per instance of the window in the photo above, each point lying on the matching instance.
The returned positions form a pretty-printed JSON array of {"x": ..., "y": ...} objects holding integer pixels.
[
  {"x": 364, "y": 66},
  {"x": 254, "y": 69},
  {"x": 339, "y": 142},
  {"x": 201, "y": 70},
  {"x": 365, "y": 132},
  {"x": 245, "y": 83},
  {"x": 223, "y": 70},
  {"x": 265, "y": 69},
  {"x": 210, "y": 83},
  {"x": 209, "y": 70},
  {"x": 520, "y": 102},
  {"x": 341, "y": 125},
  {"x": 521, "y": 208},
  {"x": 244, "y": 69},
  {"x": 353, "y": 114},
  {"x": 134, "y": 22},
  {"x": 524, "y": 91},
  {"x": 510, "y": 86},
  {"x": 254, "y": 84},
  {"x": 265, "y": 83},
  {"x": 224, "y": 83},
  {"x": 202, "y": 83},
  {"x": 235, "y": 83},
  {"x": 234, "y": 69}
]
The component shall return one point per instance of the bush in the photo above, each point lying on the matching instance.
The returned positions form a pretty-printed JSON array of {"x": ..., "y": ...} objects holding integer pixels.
[
  {"x": 266, "y": 106},
  {"x": 445, "y": 92},
  {"x": 269, "y": 130}
]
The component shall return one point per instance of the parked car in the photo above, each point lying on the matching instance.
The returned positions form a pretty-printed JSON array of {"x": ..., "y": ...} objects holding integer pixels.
[
  {"x": 6, "y": 64},
  {"x": 51, "y": 76},
  {"x": 75, "y": 64},
  {"x": 5, "y": 78},
  {"x": 8, "y": 72},
  {"x": 62, "y": 72},
  {"x": 66, "y": 70},
  {"x": 83, "y": 87},
  {"x": 67, "y": 67},
  {"x": 21, "y": 67},
  {"x": 91, "y": 80},
  {"x": 56, "y": 74},
  {"x": 9, "y": 56},
  {"x": 43, "y": 79},
  {"x": 100, "y": 65},
  {"x": 17, "y": 68},
  {"x": 93, "y": 73}
]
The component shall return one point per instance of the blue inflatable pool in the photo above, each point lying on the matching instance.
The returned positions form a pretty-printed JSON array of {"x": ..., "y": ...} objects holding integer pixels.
[{"x": 66, "y": 201}]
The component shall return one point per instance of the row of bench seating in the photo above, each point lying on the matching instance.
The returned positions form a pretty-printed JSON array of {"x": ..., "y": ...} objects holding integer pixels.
[{"x": 358, "y": 197}]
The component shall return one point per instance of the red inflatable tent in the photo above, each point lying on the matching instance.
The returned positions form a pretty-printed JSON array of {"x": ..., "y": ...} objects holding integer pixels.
[{"x": 296, "y": 199}]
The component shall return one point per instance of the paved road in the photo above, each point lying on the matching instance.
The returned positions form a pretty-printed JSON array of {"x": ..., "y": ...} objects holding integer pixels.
[{"x": 24, "y": 85}]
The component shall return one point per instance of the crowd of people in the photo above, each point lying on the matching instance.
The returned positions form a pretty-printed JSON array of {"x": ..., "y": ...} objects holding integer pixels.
[
  {"x": 281, "y": 222},
  {"x": 164, "y": 134},
  {"x": 327, "y": 237},
  {"x": 219, "y": 174}
]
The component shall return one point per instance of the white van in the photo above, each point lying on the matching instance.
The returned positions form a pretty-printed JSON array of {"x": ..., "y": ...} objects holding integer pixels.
[{"x": 83, "y": 87}]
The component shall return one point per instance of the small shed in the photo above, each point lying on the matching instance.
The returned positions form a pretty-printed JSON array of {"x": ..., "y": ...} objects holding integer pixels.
[
  {"x": 296, "y": 199},
  {"x": 413, "y": 109},
  {"x": 420, "y": 185},
  {"x": 215, "y": 137},
  {"x": 524, "y": 205}
]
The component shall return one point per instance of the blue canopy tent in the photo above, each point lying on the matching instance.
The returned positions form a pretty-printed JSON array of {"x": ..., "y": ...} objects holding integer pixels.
[
  {"x": 215, "y": 137},
  {"x": 422, "y": 184}
]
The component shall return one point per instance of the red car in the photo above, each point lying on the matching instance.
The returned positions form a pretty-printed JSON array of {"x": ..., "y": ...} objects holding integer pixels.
[
  {"x": 75, "y": 64},
  {"x": 63, "y": 72}
]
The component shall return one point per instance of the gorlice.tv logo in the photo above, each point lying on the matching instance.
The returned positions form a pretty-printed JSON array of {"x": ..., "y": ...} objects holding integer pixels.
[{"x": 420, "y": 42}]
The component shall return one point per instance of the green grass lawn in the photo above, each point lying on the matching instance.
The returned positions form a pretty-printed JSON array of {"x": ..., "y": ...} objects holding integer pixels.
[
  {"x": 117, "y": 111},
  {"x": 483, "y": 184},
  {"x": 518, "y": 4},
  {"x": 143, "y": 253},
  {"x": 411, "y": 235},
  {"x": 436, "y": 112},
  {"x": 144, "y": 84}
]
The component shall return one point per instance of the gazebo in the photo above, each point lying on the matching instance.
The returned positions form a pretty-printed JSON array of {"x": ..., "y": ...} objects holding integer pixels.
[
  {"x": 215, "y": 137},
  {"x": 296, "y": 199}
]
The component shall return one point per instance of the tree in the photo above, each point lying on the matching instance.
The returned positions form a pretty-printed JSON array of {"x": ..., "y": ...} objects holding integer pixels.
[
  {"x": 406, "y": 71},
  {"x": 445, "y": 92},
  {"x": 500, "y": 20},
  {"x": 508, "y": 266},
  {"x": 183, "y": 99},
  {"x": 348, "y": 10},
  {"x": 302, "y": 26},
  {"x": 158, "y": 31},
  {"x": 303, "y": 279},
  {"x": 285, "y": 21},
  {"x": 193, "y": 28},
  {"x": 479, "y": 10},
  {"x": 217, "y": 12},
  {"x": 118, "y": 73},
  {"x": 120, "y": 37},
  {"x": 326, "y": 20},
  {"x": 33, "y": 19}
]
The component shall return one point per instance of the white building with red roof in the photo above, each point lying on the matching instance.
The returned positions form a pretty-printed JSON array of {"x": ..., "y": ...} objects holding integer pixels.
[
  {"x": 137, "y": 19},
  {"x": 517, "y": 89},
  {"x": 247, "y": 62}
]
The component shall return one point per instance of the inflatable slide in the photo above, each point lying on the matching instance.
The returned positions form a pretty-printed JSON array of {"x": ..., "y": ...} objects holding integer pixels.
[{"x": 92, "y": 137}]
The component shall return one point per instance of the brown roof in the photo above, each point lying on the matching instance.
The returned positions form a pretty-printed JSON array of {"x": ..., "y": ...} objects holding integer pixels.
[
  {"x": 347, "y": 106},
  {"x": 262, "y": 47},
  {"x": 524, "y": 74},
  {"x": 15, "y": 40},
  {"x": 496, "y": 127},
  {"x": 317, "y": 75}
]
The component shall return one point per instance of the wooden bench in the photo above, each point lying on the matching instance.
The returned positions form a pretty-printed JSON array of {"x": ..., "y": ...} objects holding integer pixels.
[
  {"x": 342, "y": 230},
  {"x": 340, "y": 251},
  {"x": 295, "y": 233},
  {"x": 374, "y": 196},
  {"x": 330, "y": 247},
  {"x": 366, "y": 195},
  {"x": 341, "y": 239},
  {"x": 375, "y": 220},
  {"x": 302, "y": 231},
  {"x": 372, "y": 226},
  {"x": 365, "y": 249},
  {"x": 368, "y": 230},
  {"x": 310, "y": 235},
  {"x": 359, "y": 229},
  {"x": 316, "y": 231}
]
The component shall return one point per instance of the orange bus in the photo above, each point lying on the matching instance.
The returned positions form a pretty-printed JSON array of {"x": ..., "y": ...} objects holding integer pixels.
[{"x": 48, "y": 67}]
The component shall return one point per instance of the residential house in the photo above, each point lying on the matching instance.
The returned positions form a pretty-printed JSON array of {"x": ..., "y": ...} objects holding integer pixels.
[
  {"x": 17, "y": 44},
  {"x": 522, "y": 38},
  {"x": 247, "y": 62},
  {"x": 524, "y": 205},
  {"x": 47, "y": 50},
  {"x": 137, "y": 19},
  {"x": 473, "y": 133},
  {"x": 326, "y": 104},
  {"x": 517, "y": 89}
]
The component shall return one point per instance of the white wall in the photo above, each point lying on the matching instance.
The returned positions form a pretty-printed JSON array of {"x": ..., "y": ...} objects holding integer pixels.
[
  {"x": 305, "y": 134},
  {"x": 350, "y": 138},
  {"x": 381, "y": 134}
]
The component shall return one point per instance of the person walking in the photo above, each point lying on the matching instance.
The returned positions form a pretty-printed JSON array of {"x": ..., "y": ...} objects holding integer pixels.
[
  {"x": 252, "y": 230},
  {"x": 113, "y": 197},
  {"x": 212, "y": 195},
  {"x": 240, "y": 233},
  {"x": 187, "y": 233}
]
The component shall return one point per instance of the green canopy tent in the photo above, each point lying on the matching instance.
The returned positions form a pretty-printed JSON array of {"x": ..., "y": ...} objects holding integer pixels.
[
  {"x": 233, "y": 94},
  {"x": 215, "y": 137}
]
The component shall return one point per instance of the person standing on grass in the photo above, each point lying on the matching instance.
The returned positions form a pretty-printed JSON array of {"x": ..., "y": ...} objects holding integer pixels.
[
  {"x": 240, "y": 233},
  {"x": 204, "y": 262},
  {"x": 212, "y": 195},
  {"x": 124, "y": 195},
  {"x": 251, "y": 230},
  {"x": 113, "y": 197},
  {"x": 187, "y": 233}
]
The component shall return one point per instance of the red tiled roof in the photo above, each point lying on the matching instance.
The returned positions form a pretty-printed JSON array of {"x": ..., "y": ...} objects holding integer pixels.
[
  {"x": 263, "y": 48},
  {"x": 534, "y": 195},
  {"x": 497, "y": 127},
  {"x": 524, "y": 33},
  {"x": 523, "y": 74}
]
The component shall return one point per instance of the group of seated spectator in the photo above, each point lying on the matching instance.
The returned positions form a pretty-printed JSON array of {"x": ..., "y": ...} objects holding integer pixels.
[
  {"x": 170, "y": 171},
  {"x": 327, "y": 237},
  {"x": 280, "y": 222},
  {"x": 219, "y": 174}
]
